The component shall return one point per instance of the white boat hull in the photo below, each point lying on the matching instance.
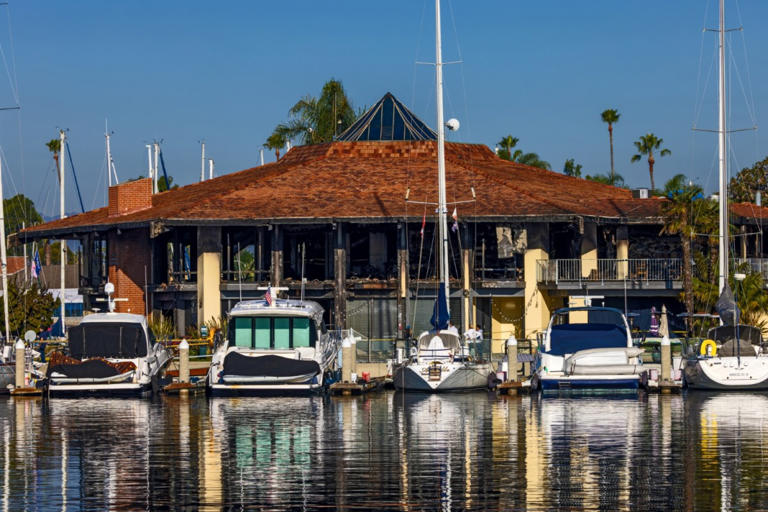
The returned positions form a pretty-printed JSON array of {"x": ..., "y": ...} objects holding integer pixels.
[
  {"x": 727, "y": 373},
  {"x": 409, "y": 377}
]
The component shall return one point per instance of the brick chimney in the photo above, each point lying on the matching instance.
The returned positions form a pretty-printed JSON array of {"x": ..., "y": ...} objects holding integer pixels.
[{"x": 129, "y": 197}]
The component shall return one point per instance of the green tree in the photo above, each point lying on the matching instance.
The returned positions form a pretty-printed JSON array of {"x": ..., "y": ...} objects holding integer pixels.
[
  {"x": 277, "y": 140},
  {"x": 679, "y": 220},
  {"x": 317, "y": 120},
  {"x": 570, "y": 168},
  {"x": 54, "y": 146},
  {"x": 31, "y": 307},
  {"x": 162, "y": 186},
  {"x": 508, "y": 143},
  {"x": 20, "y": 211},
  {"x": 617, "y": 180},
  {"x": 646, "y": 145},
  {"x": 611, "y": 116},
  {"x": 748, "y": 181}
]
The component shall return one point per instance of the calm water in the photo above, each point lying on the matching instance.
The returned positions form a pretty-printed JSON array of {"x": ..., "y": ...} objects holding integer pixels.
[{"x": 388, "y": 451}]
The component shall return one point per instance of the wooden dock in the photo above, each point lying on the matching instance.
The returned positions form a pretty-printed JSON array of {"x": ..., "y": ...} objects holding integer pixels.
[
  {"x": 181, "y": 388},
  {"x": 26, "y": 392},
  {"x": 512, "y": 388},
  {"x": 356, "y": 388}
]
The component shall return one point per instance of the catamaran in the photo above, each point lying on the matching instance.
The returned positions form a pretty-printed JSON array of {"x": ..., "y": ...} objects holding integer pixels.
[
  {"x": 274, "y": 346},
  {"x": 108, "y": 354},
  {"x": 732, "y": 358},
  {"x": 438, "y": 362}
]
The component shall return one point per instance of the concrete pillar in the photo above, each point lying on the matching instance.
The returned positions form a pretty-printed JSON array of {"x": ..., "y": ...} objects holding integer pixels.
[
  {"x": 276, "y": 270},
  {"x": 622, "y": 252},
  {"x": 589, "y": 250},
  {"x": 348, "y": 358},
  {"x": 512, "y": 358},
  {"x": 666, "y": 359},
  {"x": 208, "y": 274},
  {"x": 535, "y": 302},
  {"x": 340, "y": 277},
  {"x": 402, "y": 279},
  {"x": 184, "y": 361},
  {"x": 20, "y": 356}
]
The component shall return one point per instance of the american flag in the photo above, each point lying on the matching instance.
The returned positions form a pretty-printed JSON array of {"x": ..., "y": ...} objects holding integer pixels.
[{"x": 268, "y": 297}]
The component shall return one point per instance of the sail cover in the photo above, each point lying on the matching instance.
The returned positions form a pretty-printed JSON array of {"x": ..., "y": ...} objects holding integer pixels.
[
  {"x": 440, "y": 315},
  {"x": 727, "y": 308}
]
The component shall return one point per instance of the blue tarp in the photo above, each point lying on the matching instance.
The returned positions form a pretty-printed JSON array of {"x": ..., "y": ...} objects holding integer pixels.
[
  {"x": 570, "y": 338},
  {"x": 440, "y": 315}
]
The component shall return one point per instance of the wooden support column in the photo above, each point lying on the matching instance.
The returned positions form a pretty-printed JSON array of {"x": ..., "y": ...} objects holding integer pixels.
[
  {"x": 403, "y": 280},
  {"x": 276, "y": 270},
  {"x": 467, "y": 275},
  {"x": 589, "y": 250},
  {"x": 743, "y": 239},
  {"x": 340, "y": 277}
]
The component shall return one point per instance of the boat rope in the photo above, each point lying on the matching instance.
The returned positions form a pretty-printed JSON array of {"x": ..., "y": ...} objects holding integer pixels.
[{"x": 74, "y": 173}]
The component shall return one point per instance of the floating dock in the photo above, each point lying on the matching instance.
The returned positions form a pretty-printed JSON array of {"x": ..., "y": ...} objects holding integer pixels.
[{"x": 357, "y": 388}]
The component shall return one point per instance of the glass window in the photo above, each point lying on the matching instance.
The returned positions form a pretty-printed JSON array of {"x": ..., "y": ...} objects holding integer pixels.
[
  {"x": 263, "y": 330},
  {"x": 243, "y": 337},
  {"x": 282, "y": 333},
  {"x": 301, "y": 332}
]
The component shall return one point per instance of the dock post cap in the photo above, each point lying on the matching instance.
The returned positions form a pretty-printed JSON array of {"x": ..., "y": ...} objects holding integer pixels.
[
  {"x": 184, "y": 345},
  {"x": 511, "y": 340},
  {"x": 19, "y": 344}
]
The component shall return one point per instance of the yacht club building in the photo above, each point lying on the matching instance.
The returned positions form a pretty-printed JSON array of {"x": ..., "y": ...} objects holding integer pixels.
[{"x": 356, "y": 218}]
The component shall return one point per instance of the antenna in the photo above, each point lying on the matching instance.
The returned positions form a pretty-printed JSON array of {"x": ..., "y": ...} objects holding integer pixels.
[{"x": 202, "y": 160}]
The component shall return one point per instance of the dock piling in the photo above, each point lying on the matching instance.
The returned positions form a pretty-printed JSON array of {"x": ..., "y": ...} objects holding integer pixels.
[
  {"x": 348, "y": 357},
  {"x": 184, "y": 361},
  {"x": 20, "y": 359},
  {"x": 512, "y": 358}
]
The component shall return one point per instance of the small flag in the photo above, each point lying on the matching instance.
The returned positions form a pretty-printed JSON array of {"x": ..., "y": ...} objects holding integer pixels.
[
  {"x": 34, "y": 266},
  {"x": 455, "y": 216},
  {"x": 268, "y": 297},
  {"x": 423, "y": 223}
]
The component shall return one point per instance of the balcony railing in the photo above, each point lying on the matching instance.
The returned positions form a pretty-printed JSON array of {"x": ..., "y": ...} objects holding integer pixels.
[{"x": 601, "y": 270}]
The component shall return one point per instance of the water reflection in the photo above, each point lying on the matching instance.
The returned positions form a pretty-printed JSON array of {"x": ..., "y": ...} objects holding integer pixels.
[{"x": 387, "y": 451}]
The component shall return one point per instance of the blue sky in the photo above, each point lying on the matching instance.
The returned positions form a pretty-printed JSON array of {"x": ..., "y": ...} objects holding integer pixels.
[{"x": 229, "y": 71}]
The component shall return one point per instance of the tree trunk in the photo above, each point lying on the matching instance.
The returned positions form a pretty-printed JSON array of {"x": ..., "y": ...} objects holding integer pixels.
[
  {"x": 651, "y": 161},
  {"x": 277, "y": 153},
  {"x": 687, "y": 276},
  {"x": 48, "y": 253},
  {"x": 610, "y": 137}
]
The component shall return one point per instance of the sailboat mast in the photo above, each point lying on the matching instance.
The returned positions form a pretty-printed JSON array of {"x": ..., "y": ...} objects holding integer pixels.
[
  {"x": 441, "y": 206},
  {"x": 62, "y": 242},
  {"x": 722, "y": 155},
  {"x": 4, "y": 260}
]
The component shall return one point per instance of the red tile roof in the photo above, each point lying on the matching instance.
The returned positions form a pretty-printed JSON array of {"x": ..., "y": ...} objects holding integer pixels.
[
  {"x": 368, "y": 181},
  {"x": 749, "y": 211}
]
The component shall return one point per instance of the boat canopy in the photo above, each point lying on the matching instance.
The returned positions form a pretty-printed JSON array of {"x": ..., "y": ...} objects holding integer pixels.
[
  {"x": 450, "y": 340},
  {"x": 118, "y": 340},
  {"x": 570, "y": 338}
]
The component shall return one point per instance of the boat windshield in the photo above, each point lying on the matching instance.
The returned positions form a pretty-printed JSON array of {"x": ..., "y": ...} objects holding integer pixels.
[
  {"x": 272, "y": 332},
  {"x": 108, "y": 339}
]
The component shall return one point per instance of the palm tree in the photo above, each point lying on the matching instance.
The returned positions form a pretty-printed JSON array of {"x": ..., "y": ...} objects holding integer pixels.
[
  {"x": 277, "y": 140},
  {"x": 678, "y": 220},
  {"x": 646, "y": 145},
  {"x": 507, "y": 143},
  {"x": 317, "y": 120},
  {"x": 611, "y": 116},
  {"x": 54, "y": 146}
]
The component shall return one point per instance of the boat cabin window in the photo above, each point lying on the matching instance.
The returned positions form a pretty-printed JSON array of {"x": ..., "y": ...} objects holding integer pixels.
[
  {"x": 108, "y": 339},
  {"x": 279, "y": 332}
]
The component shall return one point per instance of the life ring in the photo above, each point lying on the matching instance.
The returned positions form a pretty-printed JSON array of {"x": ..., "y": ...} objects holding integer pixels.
[{"x": 708, "y": 343}]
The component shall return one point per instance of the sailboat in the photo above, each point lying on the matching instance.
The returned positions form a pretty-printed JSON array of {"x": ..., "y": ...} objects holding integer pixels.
[
  {"x": 438, "y": 362},
  {"x": 7, "y": 368},
  {"x": 732, "y": 357}
]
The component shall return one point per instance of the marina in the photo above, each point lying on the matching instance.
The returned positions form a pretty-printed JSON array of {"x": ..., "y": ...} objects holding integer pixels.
[{"x": 393, "y": 313}]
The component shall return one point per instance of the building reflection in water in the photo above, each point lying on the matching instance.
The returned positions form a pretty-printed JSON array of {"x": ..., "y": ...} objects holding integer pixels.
[{"x": 388, "y": 451}]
